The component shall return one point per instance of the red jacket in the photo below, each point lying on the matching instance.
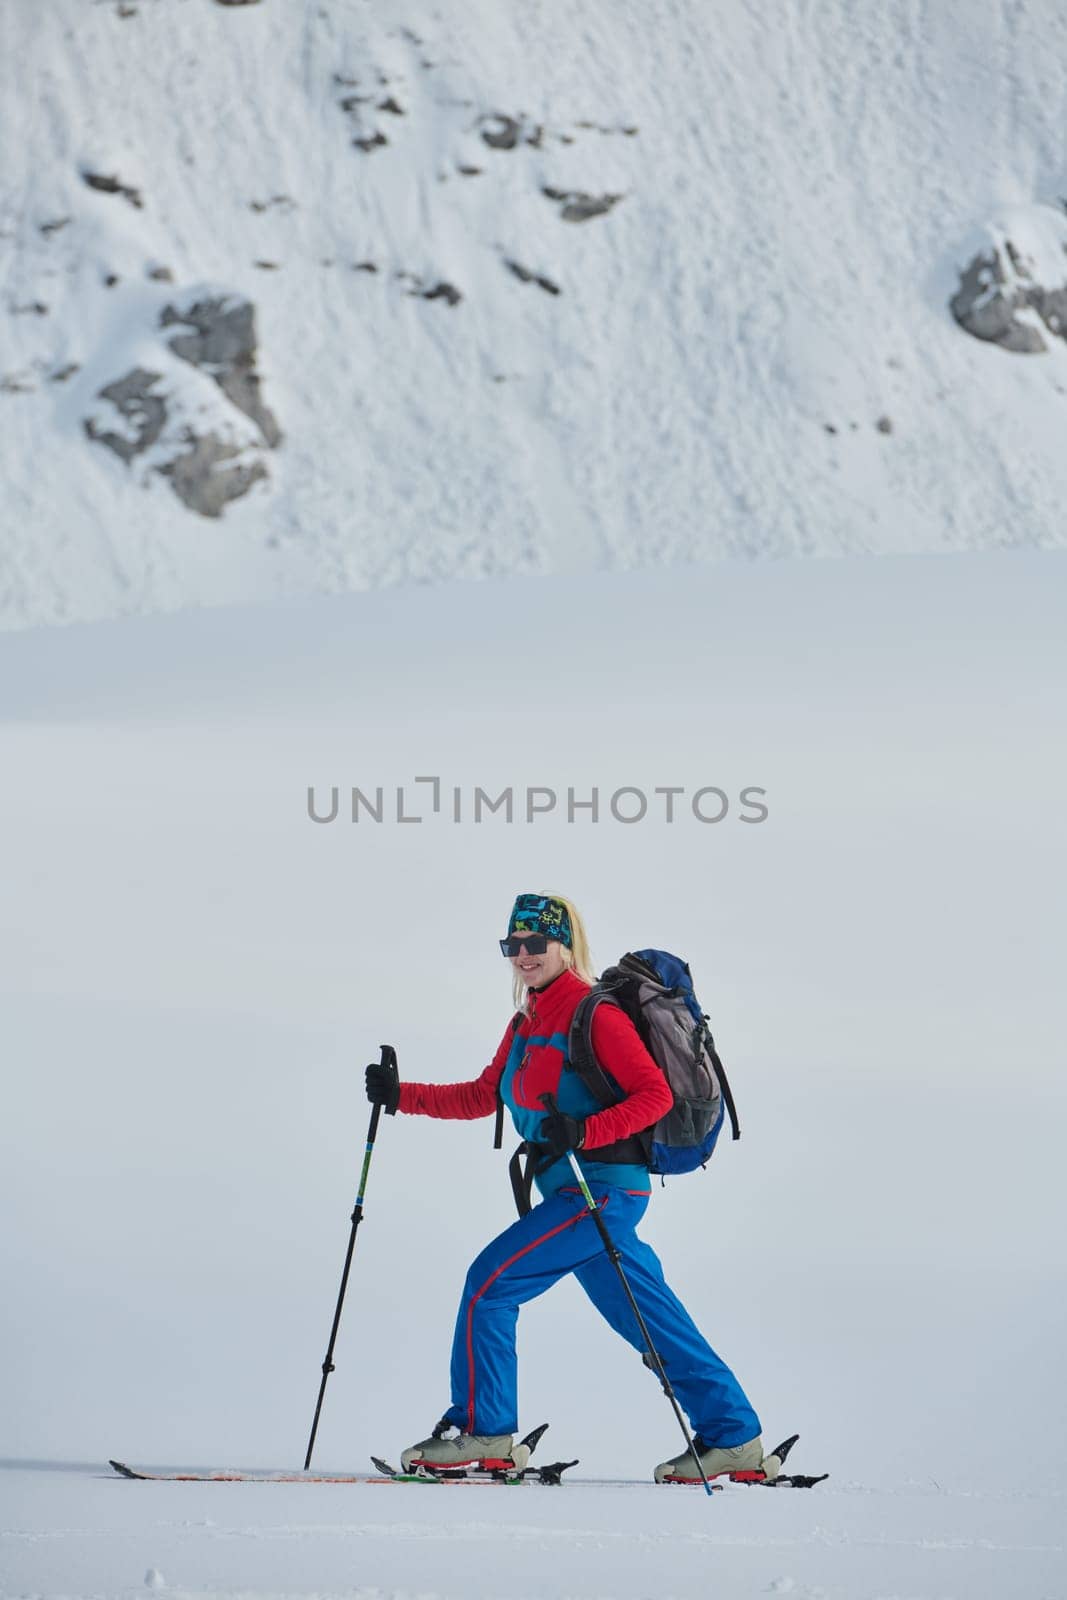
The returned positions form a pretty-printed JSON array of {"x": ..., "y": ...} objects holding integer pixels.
[{"x": 549, "y": 1011}]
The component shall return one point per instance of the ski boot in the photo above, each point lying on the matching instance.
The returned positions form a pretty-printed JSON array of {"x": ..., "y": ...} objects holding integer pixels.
[
  {"x": 478, "y": 1451},
  {"x": 737, "y": 1460}
]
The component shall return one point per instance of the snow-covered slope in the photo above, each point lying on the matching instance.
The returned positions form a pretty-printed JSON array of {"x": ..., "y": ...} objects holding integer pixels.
[{"x": 750, "y": 350}]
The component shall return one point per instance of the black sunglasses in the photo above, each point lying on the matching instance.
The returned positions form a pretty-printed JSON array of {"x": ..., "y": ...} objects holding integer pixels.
[{"x": 535, "y": 944}]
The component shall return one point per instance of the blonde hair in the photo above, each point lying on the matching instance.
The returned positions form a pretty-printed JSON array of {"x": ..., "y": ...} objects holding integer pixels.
[{"x": 576, "y": 958}]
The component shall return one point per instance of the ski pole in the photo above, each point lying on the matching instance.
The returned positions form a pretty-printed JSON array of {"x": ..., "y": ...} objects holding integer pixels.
[
  {"x": 388, "y": 1060},
  {"x": 616, "y": 1259}
]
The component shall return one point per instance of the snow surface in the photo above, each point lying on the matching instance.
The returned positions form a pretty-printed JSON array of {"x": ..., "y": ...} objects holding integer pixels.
[
  {"x": 802, "y": 188},
  {"x": 193, "y": 973},
  {"x": 75, "y": 1533}
]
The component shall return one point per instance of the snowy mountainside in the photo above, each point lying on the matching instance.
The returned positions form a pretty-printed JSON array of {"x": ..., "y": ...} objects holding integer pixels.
[{"x": 528, "y": 290}]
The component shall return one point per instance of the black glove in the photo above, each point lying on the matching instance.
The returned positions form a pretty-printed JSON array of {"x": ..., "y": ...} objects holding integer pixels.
[
  {"x": 383, "y": 1086},
  {"x": 560, "y": 1133}
]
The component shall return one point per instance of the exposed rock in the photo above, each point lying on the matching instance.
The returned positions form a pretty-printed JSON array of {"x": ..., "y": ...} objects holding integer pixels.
[
  {"x": 202, "y": 478},
  {"x": 1017, "y": 283},
  {"x": 470, "y": 172},
  {"x": 524, "y": 275},
  {"x": 237, "y": 2},
  {"x": 367, "y": 138},
  {"x": 63, "y": 373},
  {"x": 277, "y": 202},
  {"x": 364, "y": 266},
  {"x": 33, "y": 308},
  {"x": 198, "y": 420},
  {"x": 578, "y": 207},
  {"x": 502, "y": 132},
  {"x": 145, "y": 412},
  {"x": 597, "y": 127},
  {"x": 160, "y": 274},
  {"x": 985, "y": 306},
  {"x": 442, "y": 291},
  {"x": 884, "y": 425},
  {"x": 112, "y": 185},
  {"x": 222, "y": 343},
  {"x": 48, "y": 228},
  {"x": 421, "y": 290},
  {"x": 223, "y": 332}
]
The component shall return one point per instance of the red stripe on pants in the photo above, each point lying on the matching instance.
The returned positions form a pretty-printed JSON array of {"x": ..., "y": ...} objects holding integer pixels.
[{"x": 551, "y": 1234}]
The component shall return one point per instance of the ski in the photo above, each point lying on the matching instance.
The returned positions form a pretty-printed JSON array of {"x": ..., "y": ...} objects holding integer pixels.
[
  {"x": 496, "y": 1472},
  {"x": 549, "y": 1474},
  {"x": 224, "y": 1476},
  {"x": 531, "y": 1475},
  {"x": 504, "y": 1470}
]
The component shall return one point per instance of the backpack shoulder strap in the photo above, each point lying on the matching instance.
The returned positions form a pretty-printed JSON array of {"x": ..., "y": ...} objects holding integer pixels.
[
  {"x": 498, "y": 1130},
  {"x": 724, "y": 1082},
  {"x": 582, "y": 1059},
  {"x": 580, "y": 1052}
]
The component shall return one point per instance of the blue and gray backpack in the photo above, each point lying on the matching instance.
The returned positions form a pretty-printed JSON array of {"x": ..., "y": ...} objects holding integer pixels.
[{"x": 655, "y": 990}]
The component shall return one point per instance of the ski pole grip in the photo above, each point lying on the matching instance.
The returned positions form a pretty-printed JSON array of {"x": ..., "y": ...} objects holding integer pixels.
[
  {"x": 549, "y": 1103},
  {"x": 388, "y": 1061}
]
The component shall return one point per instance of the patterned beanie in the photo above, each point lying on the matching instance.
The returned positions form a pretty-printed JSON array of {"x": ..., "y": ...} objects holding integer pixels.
[{"x": 538, "y": 913}]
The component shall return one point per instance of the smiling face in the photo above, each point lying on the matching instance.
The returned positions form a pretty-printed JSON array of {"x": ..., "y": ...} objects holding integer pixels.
[{"x": 536, "y": 971}]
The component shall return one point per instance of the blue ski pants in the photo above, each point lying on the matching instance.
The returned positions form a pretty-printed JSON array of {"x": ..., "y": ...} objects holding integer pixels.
[{"x": 559, "y": 1236}]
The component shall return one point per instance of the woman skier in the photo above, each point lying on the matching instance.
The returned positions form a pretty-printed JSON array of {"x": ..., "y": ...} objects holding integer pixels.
[{"x": 551, "y": 971}]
